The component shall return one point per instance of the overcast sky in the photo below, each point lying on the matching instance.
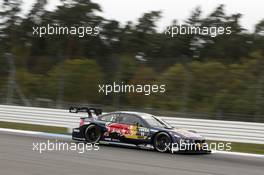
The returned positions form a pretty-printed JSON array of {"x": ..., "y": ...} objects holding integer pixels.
[{"x": 130, "y": 10}]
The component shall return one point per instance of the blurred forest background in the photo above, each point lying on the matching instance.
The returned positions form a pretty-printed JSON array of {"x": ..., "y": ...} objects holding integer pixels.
[{"x": 218, "y": 78}]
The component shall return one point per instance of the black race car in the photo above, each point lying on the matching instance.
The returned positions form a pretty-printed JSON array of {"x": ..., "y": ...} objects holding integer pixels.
[{"x": 135, "y": 128}]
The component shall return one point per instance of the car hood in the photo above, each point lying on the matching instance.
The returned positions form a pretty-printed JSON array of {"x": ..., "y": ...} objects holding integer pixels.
[
  {"x": 186, "y": 134},
  {"x": 183, "y": 133}
]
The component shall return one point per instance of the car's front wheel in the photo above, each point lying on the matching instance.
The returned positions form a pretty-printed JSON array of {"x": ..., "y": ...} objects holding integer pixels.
[
  {"x": 162, "y": 142},
  {"x": 93, "y": 134}
]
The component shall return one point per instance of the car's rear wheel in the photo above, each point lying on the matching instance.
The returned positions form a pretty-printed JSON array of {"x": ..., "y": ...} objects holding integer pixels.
[
  {"x": 93, "y": 134},
  {"x": 162, "y": 142}
]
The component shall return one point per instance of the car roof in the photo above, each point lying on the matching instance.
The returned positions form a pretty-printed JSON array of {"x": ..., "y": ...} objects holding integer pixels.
[{"x": 133, "y": 112}]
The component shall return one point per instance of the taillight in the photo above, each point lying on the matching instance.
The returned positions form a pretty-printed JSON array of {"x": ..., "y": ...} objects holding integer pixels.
[{"x": 81, "y": 122}]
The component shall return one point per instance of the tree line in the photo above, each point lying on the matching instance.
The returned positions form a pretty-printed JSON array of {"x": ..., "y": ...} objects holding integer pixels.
[{"x": 222, "y": 74}]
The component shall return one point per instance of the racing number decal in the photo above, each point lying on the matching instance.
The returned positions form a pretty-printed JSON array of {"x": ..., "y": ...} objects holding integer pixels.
[{"x": 143, "y": 132}]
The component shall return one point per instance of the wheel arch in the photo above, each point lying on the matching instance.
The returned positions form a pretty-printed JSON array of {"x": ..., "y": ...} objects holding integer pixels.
[
  {"x": 154, "y": 135},
  {"x": 87, "y": 125}
]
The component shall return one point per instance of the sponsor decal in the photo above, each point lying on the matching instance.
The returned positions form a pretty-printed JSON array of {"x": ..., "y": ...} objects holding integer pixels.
[{"x": 127, "y": 131}]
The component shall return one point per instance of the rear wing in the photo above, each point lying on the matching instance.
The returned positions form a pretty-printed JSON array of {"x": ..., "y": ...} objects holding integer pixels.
[{"x": 89, "y": 111}]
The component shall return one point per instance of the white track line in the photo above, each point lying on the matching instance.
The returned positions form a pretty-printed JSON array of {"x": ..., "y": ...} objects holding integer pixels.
[
  {"x": 68, "y": 137},
  {"x": 239, "y": 154},
  {"x": 36, "y": 133}
]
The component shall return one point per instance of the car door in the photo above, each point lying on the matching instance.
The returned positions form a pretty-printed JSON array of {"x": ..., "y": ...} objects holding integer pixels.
[
  {"x": 112, "y": 127},
  {"x": 134, "y": 127}
]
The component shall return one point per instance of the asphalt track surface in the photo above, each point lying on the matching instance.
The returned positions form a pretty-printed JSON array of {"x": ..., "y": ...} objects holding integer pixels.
[{"x": 18, "y": 158}]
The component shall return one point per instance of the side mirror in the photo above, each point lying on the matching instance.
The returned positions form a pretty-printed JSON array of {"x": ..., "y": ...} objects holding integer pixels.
[{"x": 138, "y": 125}]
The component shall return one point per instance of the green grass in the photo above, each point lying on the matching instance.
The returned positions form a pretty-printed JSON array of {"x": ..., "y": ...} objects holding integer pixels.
[
  {"x": 30, "y": 127},
  {"x": 236, "y": 147},
  {"x": 244, "y": 147}
]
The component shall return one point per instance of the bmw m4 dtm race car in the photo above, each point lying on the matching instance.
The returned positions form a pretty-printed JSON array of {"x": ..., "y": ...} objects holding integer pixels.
[{"x": 135, "y": 128}]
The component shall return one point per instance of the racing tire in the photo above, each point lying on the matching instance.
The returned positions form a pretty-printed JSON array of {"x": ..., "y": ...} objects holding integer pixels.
[
  {"x": 162, "y": 142},
  {"x": 92, "y": 134}
]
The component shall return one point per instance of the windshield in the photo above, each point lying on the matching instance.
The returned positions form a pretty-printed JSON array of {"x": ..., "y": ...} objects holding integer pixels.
[{"x": 155, "y": 122}]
